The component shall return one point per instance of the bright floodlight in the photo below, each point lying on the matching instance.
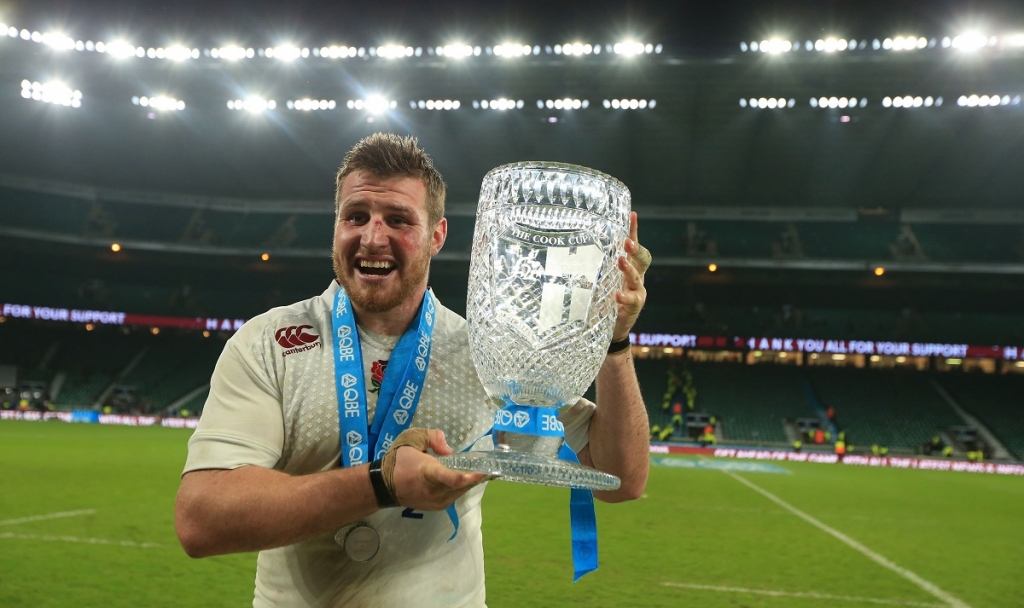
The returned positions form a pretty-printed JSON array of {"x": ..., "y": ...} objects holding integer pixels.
[
  {"x": 775, "y": 46},
  {"x": 54, "y": 92},
  {"x": 500, "y": 104},
  {"x": 512, "y": 49},
  {"x": 159, "y": 102},
  {"x": 179, "y": 52},
  {"x": 309, "y": 105},
  {"x": 376, "y": 104},
  {"x": 286, "y": 52},
  {"x": 970, "y": 41},
  {"x": 457, "y": 51},
  {"x": 120, "y": 49},
  {"x": 253, "y": 103},
  {"x": 394, "y": 51},
  {"x": 629, "y": 48},
  {"x": 334, "y": 51},
  {"x": 59, "y": 41},
  {"x": 231, "y": 52}
]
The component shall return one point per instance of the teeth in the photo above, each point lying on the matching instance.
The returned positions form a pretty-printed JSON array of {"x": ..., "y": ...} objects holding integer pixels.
[{"x": 370, "y": 264}]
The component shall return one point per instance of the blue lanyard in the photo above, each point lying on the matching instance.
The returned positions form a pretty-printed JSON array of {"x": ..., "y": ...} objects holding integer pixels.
[
  {"x": 543, "y": 422},
  {"x": 400, "y": 390}
]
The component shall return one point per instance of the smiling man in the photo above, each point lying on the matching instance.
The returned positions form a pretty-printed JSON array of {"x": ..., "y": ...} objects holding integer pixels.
[{"x": 346, "y": 507}]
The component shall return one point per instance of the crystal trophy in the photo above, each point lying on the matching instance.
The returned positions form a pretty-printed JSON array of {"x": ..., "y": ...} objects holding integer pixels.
[{"x": 541, "y": 310}]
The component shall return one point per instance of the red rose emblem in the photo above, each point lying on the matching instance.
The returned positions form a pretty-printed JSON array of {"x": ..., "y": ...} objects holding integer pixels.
[{"x": 377, "y": 369}]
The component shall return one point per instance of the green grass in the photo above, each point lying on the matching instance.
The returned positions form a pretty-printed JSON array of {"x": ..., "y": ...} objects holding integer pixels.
[{"x": 963, "y": 532}]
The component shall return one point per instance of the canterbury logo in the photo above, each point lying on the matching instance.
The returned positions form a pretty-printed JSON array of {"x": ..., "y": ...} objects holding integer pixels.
[{"x": 295, "y": 335}]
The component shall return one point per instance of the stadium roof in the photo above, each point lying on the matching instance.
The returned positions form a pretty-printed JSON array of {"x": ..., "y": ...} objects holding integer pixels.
[{"x": 705, "y": 144}]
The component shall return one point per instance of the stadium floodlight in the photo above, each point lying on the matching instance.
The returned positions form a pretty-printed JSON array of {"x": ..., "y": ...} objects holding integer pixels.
[
  {"x": 436, "y": 104},
  {"x": 309, "y": 105},
  {"x": 1010, "y": 40},
  {"x": 631, "y": 104},
  {"x": 286, "y": 52},
  {"x": 630, "y": 48},
  {"x": 54, "y": 92},
  {"x": 161, "y": 103},
  {"x": 374, "y": 104},
  {"x": 972, "y": 41},
  {"x": 394, "y": 51},
  {"x": 771, "y": 103},
  {"x": 577, "y": 49},
  {"x": 118, "y": 48},
  {"x": 231, "y": 52},
  {"x": 58, "y": 41},
  {"x": 501, "y": 104},
  {"x": 254, "y": 104},
  {"x": 987, "y": 101},
  {"x": 335, "y": 52},
  {"x": 179, "y": 52},
  {"x": 775, "y": 46},
  {"x": 567, "y": 103},
  {"x": 457, "y": 51},
  {"x": 512, "y": 50},
  {"x": 905, "y": 43}
]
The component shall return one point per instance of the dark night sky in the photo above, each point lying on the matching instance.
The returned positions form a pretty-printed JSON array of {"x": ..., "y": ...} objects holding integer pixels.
[{"x": 688, "y": 28}]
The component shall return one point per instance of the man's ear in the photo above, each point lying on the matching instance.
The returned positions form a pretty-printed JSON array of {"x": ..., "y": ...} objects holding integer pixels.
[{"x": 440, "y": 234}]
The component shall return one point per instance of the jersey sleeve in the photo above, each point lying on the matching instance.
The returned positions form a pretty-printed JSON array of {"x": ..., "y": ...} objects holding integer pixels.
[
  {"x": 576, "y": 420},
  {"x": 242, "y": 422}
]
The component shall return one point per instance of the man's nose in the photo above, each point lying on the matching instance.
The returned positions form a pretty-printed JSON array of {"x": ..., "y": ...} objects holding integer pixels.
[{"x": 375, "y": 234}]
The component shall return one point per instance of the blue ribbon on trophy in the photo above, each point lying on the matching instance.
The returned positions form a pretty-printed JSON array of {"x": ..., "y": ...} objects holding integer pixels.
[{"x": 543, "y": 422}]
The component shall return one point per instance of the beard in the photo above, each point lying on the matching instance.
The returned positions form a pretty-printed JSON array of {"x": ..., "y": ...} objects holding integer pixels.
[{"x": 376, "y": 298}]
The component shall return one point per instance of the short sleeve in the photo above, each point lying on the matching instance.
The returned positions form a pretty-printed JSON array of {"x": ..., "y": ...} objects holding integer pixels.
[
  {"x": 576, "y": 420},
  {"x": 242, "y": 422}
]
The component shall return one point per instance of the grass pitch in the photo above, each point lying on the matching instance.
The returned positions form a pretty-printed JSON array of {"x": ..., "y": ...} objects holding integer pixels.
[{"x": 86, "y": 519}]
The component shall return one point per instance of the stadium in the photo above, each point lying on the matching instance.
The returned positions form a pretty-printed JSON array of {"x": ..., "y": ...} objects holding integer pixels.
[{"x": 831, "y": 353}]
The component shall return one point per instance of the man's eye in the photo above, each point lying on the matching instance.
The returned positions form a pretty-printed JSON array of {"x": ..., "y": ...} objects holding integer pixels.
[
  {"x": 397, "y": 221},
  {"x": 357, "y": 218}
]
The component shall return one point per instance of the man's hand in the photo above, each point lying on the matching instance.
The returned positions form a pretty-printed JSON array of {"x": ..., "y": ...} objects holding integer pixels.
[
  {"x": 633, "y": 295},
  {"x": 417, "y": 479}
]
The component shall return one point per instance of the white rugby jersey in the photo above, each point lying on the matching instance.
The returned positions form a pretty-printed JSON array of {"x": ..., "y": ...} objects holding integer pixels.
[{"x": 273, "y": 403}]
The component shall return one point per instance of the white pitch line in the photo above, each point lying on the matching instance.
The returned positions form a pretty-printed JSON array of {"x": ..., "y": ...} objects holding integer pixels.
[
  {"x": 75, "y": 539},
  {"x": 22, "y": 520},
  {"x": 806, "y": 594},
  {"x": 928, "y": 586}
]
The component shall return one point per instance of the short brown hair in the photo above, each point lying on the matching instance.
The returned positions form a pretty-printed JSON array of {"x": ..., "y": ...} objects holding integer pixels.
[{"x": 386, "y": 155}]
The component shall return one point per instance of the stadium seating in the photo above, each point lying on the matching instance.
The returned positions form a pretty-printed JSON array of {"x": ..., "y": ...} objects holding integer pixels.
[
  {"x": 997, "y": 402},
  {"x": 982, "y": 243},
  {"x": 898, "y": 409},
  {"x": 849, "y": 240},
  {"x": 170, "y": 368}
]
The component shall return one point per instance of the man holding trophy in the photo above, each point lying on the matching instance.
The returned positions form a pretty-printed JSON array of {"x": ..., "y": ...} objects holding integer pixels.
[{"x": 330, "y": 422}]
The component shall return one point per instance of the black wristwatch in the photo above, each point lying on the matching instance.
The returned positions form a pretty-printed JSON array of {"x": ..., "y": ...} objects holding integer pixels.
[{"x": 380, "y": 489}]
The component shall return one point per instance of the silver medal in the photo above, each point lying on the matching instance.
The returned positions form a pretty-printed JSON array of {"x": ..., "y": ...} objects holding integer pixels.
[{"x": 361, "y": 542}]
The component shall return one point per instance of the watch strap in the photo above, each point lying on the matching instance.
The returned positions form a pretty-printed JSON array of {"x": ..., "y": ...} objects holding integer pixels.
[{"x": 385, "y": 498}]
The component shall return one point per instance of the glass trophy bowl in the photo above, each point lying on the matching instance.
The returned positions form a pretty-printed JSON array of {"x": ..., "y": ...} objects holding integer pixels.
[{"x": 541, "y": 306}]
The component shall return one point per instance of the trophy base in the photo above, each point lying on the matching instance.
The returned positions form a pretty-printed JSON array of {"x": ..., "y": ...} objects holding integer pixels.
[{"x": 532, "y": 468}]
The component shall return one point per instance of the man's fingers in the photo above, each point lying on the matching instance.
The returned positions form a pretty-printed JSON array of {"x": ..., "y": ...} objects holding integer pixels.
[
  {"x": 634, "y": 278},
  {"x": 633, "y": 225},
  {"x": 415, "y": 437},
  {"x": 438, "y": 443},
  {"x": 631, "y": 300},
  {"x": 641, "y": 259},
  {"x": 444, "y": 476}
]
